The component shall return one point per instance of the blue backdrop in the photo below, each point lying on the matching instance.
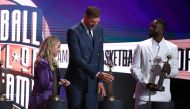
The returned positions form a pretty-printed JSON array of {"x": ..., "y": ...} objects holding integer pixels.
[{"x": 123, "y": 20}]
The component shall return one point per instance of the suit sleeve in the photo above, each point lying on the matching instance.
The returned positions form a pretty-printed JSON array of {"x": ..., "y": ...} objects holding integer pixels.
[
  {"x": 136, "y": 70},
  {"x": 43, "y": 75},
  {"x": 76, "y": 56},
  {"x": 174, "y": 63},
  {"x": 101, "y": 67}
]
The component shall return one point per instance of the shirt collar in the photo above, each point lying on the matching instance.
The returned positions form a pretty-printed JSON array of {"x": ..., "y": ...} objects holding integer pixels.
[
  {"x": 86, "y": 28},
  {"x": 82, "y": 21},
  {"x": 156, "y": 43}
]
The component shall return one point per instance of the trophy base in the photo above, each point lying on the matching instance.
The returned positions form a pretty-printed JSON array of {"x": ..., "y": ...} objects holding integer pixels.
[
  {"x": 2, "y": 98},
  {"x": 110, "y": 98},
  {"x": 111, "y": 102},
  {"x": 59, "y": 104},
  {"x": 55, "y": 98}
]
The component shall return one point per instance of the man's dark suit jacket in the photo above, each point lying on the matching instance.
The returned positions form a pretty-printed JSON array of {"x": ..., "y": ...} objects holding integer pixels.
[{"x": 85, "y": 58}]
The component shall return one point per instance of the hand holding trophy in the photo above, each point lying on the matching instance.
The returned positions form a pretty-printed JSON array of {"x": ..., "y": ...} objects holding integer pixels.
[
  {"x": 107, "y": 77},
  {"x": 110, "y": 66},
  {"x": 110, "y": 102},
  {"x": 166, "y": 69}
]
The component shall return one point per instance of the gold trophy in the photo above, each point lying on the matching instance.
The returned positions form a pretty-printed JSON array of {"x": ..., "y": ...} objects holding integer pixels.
[
  {"x": 55, "y": 101},
  {"x": 110, "y": 101},
  {"x": 110, "y": 66},
  {"x": 55, "y": 89}
]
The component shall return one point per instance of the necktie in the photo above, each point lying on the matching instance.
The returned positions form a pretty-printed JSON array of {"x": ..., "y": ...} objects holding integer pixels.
[{"x": 90, "y": 33}]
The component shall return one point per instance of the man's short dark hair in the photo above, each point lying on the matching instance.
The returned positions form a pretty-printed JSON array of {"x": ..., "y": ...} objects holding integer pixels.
[
  {"x": 92, "y": 12},
  {"x": 162, "y": 22}
]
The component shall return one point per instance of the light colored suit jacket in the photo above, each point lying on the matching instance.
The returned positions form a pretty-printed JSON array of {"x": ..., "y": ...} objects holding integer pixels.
[{"x": 145, "y": 70}]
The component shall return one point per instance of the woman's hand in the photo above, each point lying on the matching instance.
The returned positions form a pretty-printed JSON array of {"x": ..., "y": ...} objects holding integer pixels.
[{"x": 64, "y": 82}]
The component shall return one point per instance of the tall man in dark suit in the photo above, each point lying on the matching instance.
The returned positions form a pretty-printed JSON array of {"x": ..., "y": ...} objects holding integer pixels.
[{"x": 86, "y": 60}]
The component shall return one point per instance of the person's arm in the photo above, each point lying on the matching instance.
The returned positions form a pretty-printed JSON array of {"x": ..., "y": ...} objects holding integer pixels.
[
  {"x": 61, "y": 81},
  {"x": 75, "y": 54},
  {"x": 101, "y": 67},
  {"x": 42, "y": 73},
  {"x": 101, "y": 59},
  {"x": 174, "y": 63},
  {"x": 64, "y": 82},
  {"x": 136, "y": 66}
]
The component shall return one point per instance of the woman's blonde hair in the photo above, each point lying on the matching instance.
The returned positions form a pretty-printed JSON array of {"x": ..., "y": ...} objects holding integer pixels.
[{"x": 46, "y": 51}]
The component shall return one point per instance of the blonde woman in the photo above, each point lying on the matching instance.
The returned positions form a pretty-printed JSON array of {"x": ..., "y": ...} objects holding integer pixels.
[{"x": 43, "y": 72}]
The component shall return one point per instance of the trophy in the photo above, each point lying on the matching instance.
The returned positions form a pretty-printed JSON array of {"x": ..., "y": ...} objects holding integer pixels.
[
  {"x": 163, "y": 75},
  {"x": 159, "y": 87},
  {"x": 110, "y": 101},
  {"x": 2, "y": 97},
  {"x": 55, "y": 93},
  {"x": 55, "y": 101},
  {"x": 110, "y": 66}
]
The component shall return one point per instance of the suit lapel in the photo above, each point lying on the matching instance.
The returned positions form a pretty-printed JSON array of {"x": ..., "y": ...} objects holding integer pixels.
[
  {"x": 163, "y": 50},
  {"x": 95, "y": 39},
  {"x": 150, "y": 48},
  {"x": 95, "y": 35},
  {"x": 85, "y": 37}
]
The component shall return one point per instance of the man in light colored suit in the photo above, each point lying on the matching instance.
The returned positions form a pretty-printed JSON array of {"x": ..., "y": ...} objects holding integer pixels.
[
  {"x": 151, "y": 59},
  {"x": 86, "y": 61}
]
